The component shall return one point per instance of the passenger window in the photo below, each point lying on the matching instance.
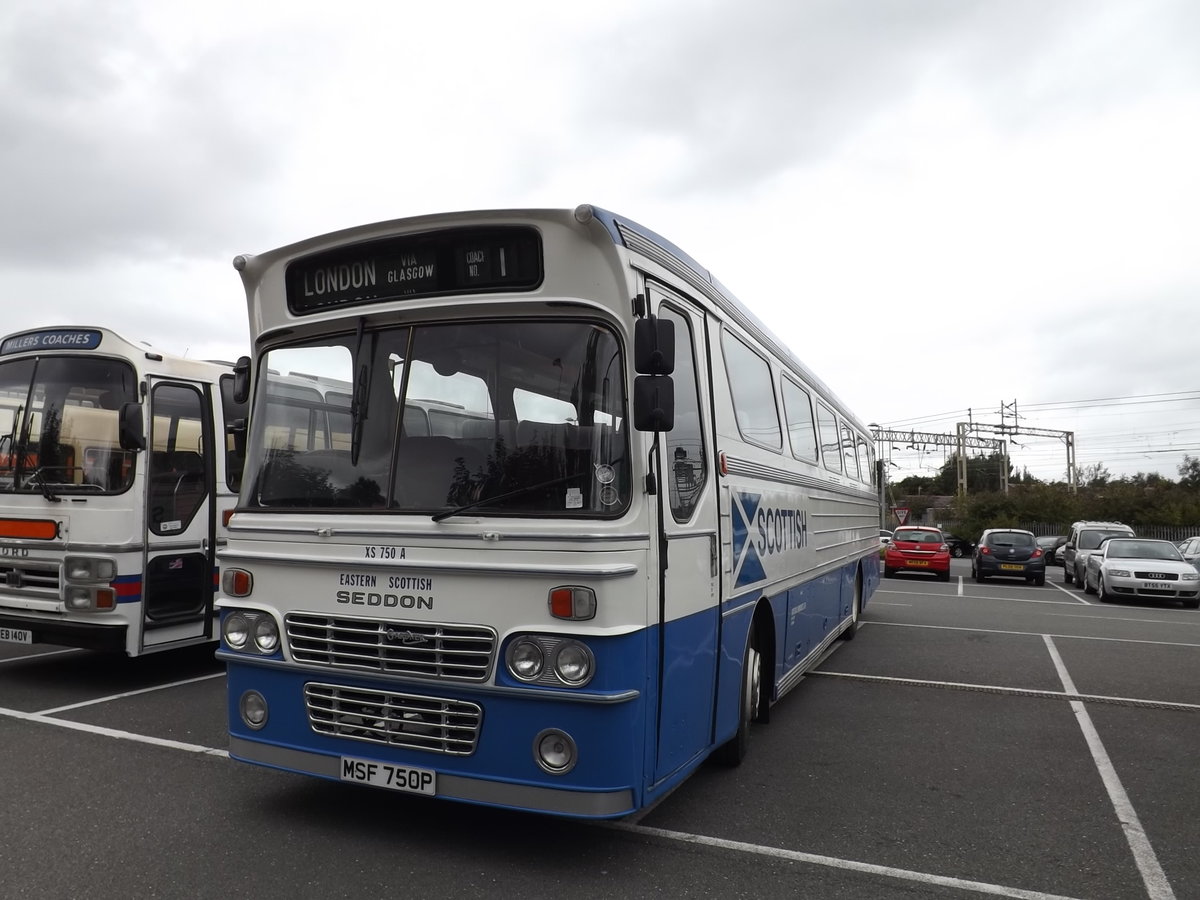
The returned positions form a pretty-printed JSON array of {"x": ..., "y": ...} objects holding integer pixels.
[
  {"x": 685, "y": 463},
  {"x": 797, "y": 409},
  {"x": 866, "y": 462},
  {"x": 848, "y": 452},
  {"x": 830, "y": 446},
  {"x": 753, "y": 394}
]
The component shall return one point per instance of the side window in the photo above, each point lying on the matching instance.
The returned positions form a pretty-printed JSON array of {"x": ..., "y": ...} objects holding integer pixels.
[
  {"x": 685, "y": 462},
  {"x": 866, "y": 461},
  {"x": 848, "y": 452},
  {"x": 830, "y": 445},
  {"x": 753, "y": 392},
  {"x": 797, "y": 408}
]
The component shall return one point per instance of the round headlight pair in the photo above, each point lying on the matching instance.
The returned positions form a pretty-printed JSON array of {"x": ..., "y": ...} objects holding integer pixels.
[
  {"x": 551, "y": 660},
  {"x": 255, "y": 632}
]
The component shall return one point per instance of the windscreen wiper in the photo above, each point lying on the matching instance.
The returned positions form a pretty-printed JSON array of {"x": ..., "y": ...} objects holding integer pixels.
[
  {"x": 358, "y": 398},
  {"x": 487, "y": 501},
  {"x": 37, "y": 478}
]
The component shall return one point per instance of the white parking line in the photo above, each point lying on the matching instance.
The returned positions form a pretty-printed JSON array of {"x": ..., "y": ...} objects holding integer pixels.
[
  {"x": 1153, "y": 876},
  {"x": 149, "y": 690},
  {"x": 979, "y": 887},
  {"x": 1070, "y": 592},
  {"x": 13, "y": 659},
  {"x": 1041, "y": 634},
  {"x": 112, "y": 732}
]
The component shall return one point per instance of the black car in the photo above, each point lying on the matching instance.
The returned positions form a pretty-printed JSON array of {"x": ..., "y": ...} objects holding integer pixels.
[
  {"x": 959, "y": 547},
  {"x": 1050, "y": 544},
  {"x": 1009, "y": 553}
]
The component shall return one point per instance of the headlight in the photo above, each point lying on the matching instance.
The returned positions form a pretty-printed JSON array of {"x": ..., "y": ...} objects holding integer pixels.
[
  {"x": 1189, "y": 576},
  {"x": 526, "y": 659},
  {"x": 266, "y": 634},
  {"x": 1117, "y": 573},
  {"x": 89, "y": 568},
  {"x": 550, "y": 660},
  {"x": 251, "y": 631},
  {"x": 235, "y": 629},
  {"x": 573, "y": 663}
]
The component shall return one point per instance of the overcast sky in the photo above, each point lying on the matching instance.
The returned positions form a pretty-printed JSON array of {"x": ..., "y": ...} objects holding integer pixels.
[{"x": 940, "y": 205}]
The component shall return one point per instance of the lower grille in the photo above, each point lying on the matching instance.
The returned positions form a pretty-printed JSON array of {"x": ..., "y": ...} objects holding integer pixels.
[{"x": 396, "y": 720}]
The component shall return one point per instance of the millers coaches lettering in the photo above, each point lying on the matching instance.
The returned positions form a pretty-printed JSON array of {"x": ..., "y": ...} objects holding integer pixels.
[{"x": 387, "y": 601}]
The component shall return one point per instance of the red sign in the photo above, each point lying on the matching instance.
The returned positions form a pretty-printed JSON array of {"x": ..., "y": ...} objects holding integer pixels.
[{"x": 901, "y": 513}]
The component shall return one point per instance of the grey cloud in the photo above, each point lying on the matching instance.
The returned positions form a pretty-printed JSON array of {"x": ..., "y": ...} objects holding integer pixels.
[{"x": 111, "y": 147}]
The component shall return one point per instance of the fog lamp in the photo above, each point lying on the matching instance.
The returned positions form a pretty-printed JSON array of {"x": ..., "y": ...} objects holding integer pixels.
[{"x": 555, "y": 751}]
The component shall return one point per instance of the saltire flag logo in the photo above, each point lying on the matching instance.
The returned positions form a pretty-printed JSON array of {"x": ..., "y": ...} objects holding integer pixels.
[{"x": 747, "y": 566}]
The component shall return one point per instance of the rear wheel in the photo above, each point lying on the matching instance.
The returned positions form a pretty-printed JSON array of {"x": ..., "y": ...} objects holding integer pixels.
[
  {"x": 958, "y": 551},
  {"x": 889, "y": 573},
  {"x": 944, "y": 576},
  {"x": 980, "y": 578},
  {"x": 1040, "y": 580},
  {"x": 848, "y": 634},
  {"x": 1067, "y": 579},
  {"x": 733, "y": 751}
]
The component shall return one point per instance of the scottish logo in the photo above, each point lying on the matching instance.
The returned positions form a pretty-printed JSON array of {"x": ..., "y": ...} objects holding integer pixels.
[{"x": 761, "y": 531}]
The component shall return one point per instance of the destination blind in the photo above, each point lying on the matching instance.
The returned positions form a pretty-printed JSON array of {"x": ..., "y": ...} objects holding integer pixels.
[{"x": 443, "y": 262}]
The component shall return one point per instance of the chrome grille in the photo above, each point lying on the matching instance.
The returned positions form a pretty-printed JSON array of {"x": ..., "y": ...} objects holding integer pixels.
[
  {"x": 1157, "y": 576},
  {"x": 26, "y": 576},
  {"x": 397, "y": 720},
  {"x": 416, "y": 649}
]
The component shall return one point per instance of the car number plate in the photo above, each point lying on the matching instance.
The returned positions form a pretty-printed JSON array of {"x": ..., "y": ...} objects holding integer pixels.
[
  {"x": 1012, "y": 567},
  {"x": 918, "y": 562},
  {"x": 16, "y": 636},
  {"x": 385, "y": 775},
  {"x": 1157, "y": 586}
]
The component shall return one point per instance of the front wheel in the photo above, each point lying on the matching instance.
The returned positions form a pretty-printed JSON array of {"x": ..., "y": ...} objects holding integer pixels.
[
  {"x": 1087, "y": 586},
  {"x": 1101, "y": 594},
  {"x": 733, "y": 751}
]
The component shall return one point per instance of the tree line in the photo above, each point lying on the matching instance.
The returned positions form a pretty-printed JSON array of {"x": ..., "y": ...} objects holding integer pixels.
[{"x": 1138, "y": 500}]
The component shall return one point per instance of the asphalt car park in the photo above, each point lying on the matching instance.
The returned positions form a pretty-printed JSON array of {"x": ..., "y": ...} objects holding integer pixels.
[{"x": 999, "y": 739}]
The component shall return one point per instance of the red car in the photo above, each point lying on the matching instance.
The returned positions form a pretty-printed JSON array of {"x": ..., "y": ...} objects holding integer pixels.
[{"x": 916, "y": 549}]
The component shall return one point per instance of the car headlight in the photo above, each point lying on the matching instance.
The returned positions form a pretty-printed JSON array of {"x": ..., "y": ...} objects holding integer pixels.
[
  {"x": 1190, "y": 576},
  {"x": 1117, "y": 573}
]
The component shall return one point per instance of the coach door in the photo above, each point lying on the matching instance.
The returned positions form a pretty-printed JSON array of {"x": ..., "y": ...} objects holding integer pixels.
[
  {"x": 177, "y": 585},
  {"x": 689, "y": 605}
]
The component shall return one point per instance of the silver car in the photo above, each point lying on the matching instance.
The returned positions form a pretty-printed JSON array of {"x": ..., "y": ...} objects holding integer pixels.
[{"x": 1141, "y": 568}]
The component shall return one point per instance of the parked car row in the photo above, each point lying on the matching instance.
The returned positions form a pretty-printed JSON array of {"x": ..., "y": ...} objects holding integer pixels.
[{"x": 1103, "y": 558}]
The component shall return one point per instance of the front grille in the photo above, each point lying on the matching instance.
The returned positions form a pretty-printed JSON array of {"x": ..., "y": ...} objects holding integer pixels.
[
  {"x": 397, "y": 720},
  {"x": 415, "y": 649},
  {"x": 28, "y": 577},
  {"x": 1157, "y": 576}
]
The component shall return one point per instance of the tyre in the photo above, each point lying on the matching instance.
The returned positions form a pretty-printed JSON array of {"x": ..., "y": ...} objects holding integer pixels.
[
  {"x": 1079, "y": 579},
  {"x": 1101, "y": 594},
  {"x": 1191, "y": 604},
  {"x": 1087, "y": 587},
  {"x": 958, "y": 552},
  {"x": 1040, "y": 581},
  {"x": 980, "y": 578},
  {"x": 944, "y": 576},
  {"x": 1067, "y": 579},
  {"x": 848, "y": 634},
  {"x": 889, "y": 573},
  {"x": 733, "y": 751}
]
